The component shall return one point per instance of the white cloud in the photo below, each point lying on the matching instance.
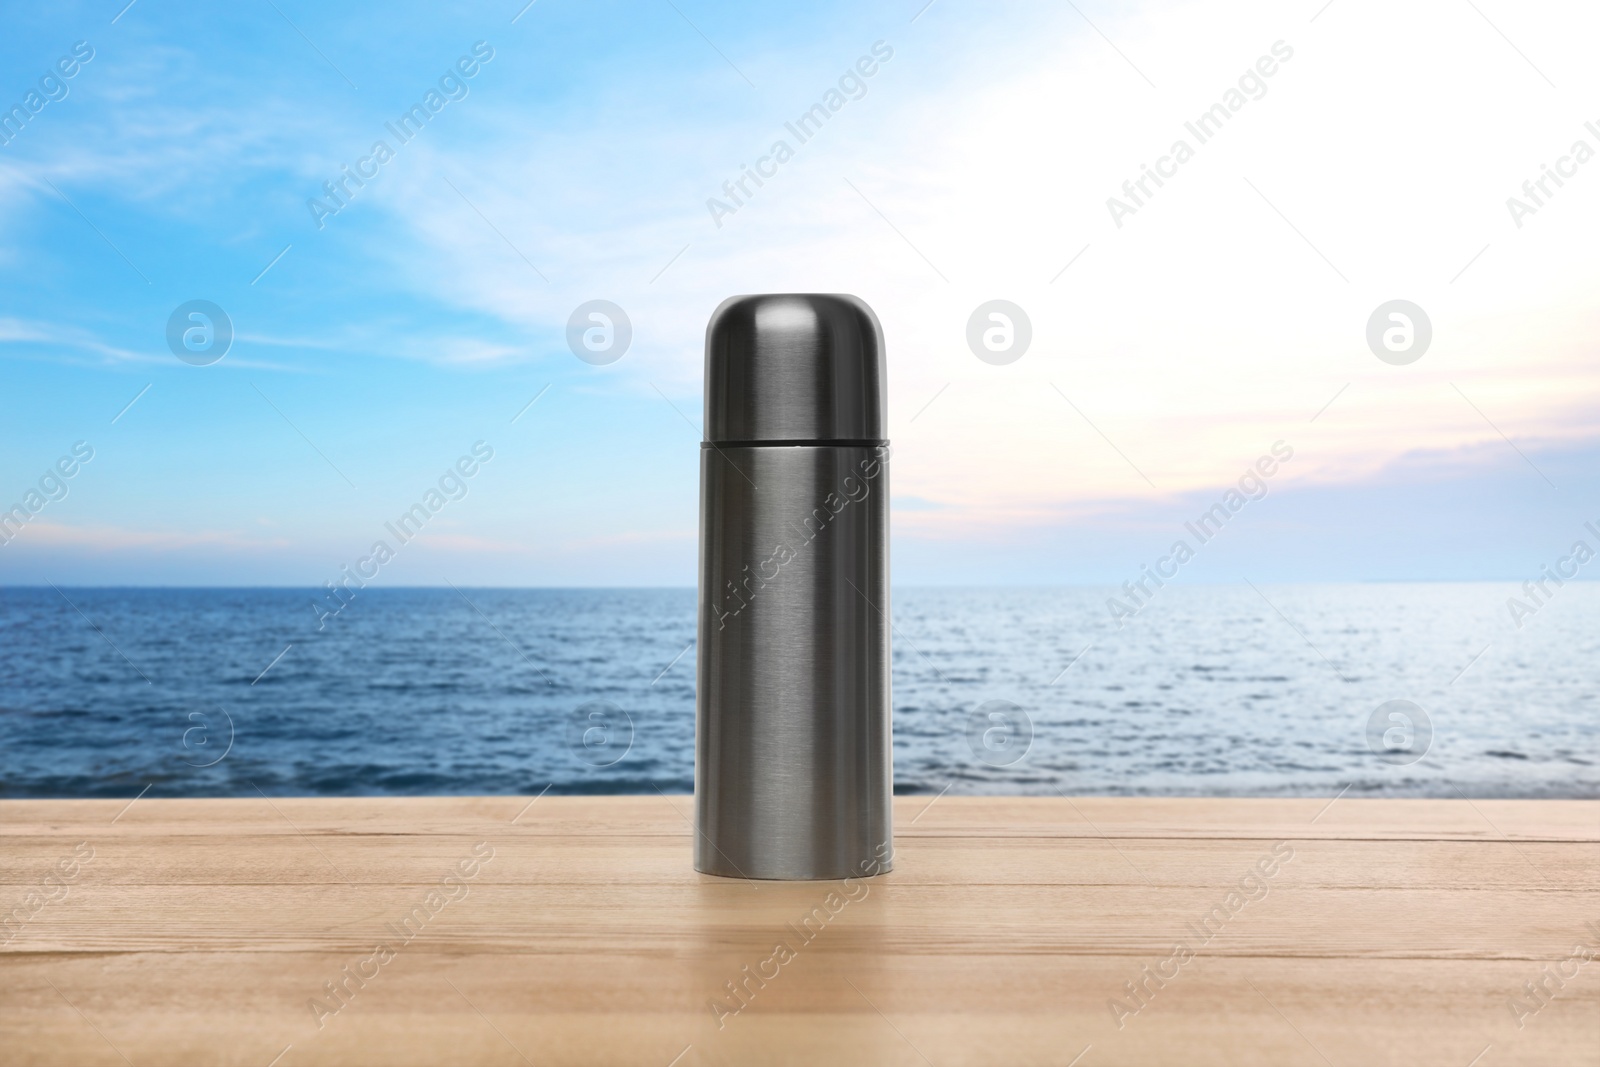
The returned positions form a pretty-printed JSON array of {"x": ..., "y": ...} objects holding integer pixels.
[
  {"x": 1194, "y": 336},
  {"x": 1219, "y": 318}
]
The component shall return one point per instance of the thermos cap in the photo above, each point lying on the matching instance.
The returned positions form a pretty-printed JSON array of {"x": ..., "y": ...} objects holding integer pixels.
[{"x": 794, "y": 368}]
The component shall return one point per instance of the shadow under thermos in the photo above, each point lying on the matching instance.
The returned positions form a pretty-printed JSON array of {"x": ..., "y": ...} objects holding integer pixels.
[{"x": 793, "y": 764}]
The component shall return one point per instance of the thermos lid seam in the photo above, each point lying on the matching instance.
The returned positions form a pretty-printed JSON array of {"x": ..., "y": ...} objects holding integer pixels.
[
  {"x": 812, "y": 442},
  {"x": 794, "y": 367}
]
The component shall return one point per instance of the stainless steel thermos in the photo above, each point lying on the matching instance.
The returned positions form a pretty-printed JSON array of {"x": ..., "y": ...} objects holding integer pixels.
[{"x": 793, "y": 768}]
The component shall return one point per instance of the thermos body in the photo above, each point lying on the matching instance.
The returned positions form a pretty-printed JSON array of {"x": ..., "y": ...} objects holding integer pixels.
[{"x": 793, "y": 760}]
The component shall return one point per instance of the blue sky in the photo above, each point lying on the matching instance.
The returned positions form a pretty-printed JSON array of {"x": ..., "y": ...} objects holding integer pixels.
[{"x": 975, "y": 163}]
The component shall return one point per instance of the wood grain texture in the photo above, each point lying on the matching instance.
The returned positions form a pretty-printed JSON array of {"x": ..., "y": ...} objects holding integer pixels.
[{"x": 1359, "y": 932}]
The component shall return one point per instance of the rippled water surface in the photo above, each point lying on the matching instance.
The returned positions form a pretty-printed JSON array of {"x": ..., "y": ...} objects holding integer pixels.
[{"x": 1228, "y": 690}]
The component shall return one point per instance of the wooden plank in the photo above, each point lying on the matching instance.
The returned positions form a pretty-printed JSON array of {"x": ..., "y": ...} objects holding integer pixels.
[{"x": 1361, "y": 932}]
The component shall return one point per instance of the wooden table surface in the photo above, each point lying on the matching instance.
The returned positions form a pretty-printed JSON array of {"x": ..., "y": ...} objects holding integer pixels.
[{"x": 568, "y": 930}]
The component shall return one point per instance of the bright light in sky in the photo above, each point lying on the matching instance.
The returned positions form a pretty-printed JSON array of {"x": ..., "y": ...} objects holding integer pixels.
[{"x": 1197, "y": 207}]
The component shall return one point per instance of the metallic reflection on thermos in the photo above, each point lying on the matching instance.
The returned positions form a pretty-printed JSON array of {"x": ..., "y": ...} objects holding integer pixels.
[{"x": 793, "y": 768}]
